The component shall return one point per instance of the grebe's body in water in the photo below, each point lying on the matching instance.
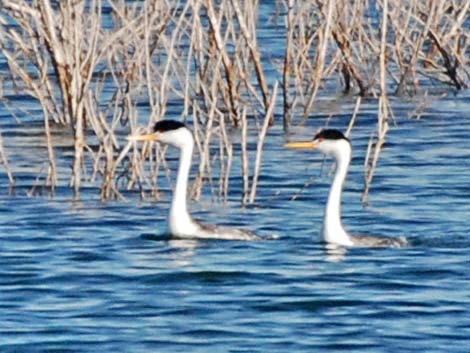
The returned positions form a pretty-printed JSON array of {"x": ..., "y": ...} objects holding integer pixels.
[
  {"x": 336, "y": 145},
  {"x": 180, "y": 222}
]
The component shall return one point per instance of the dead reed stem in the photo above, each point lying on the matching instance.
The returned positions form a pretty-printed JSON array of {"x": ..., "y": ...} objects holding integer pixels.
[
  {"x": 215, "y": 35},
  {"x": 4, "y": 159},
  {"x": 384, "y": 107},
  {"x": 320, "y": 57},
  {"x": 254, "y": 52},
  {"x": 260, "y": 144},
  {"x": 354, "y": 116},
  {"x": 227, "y": 167},
  {"x": 244, "y": 154},
  {"x": 287, "y": 67}
]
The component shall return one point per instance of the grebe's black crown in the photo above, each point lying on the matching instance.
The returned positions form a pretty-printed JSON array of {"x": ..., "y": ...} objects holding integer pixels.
[
  {"x": 167, "y": 125},
  {"x": 330, "y": 134}
]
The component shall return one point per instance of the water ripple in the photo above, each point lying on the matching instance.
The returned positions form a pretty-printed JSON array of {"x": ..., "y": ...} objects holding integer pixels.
[{"x": 96, "y": 277}]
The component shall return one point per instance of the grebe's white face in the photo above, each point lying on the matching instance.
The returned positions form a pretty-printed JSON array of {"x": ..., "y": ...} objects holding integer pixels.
[
  {"x": 339, "y": 148},
  {"x": 334, "y": 148},
  {"x": 180, "y": 137}
]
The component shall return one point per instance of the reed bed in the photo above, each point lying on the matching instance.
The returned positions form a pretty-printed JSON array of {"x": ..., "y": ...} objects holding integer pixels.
[
  {"x": 376, "y": 49},
  {"x": 106, "y": 69}
]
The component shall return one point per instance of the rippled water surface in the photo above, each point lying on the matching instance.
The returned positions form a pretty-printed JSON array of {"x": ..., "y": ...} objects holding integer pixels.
[{"x": 87, "y": 276}]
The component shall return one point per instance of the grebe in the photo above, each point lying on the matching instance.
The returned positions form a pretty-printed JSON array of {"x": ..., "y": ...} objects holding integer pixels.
[
  {"x": 333, "y": 143},
  {"x": 180, "y": 222}
]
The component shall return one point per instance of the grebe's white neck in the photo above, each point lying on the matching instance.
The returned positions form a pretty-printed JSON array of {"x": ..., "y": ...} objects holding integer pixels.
[
  {"x": 333, "y": 231},
  {"x": 335, "y": 144},
  {"x": 179, "y": 219}
]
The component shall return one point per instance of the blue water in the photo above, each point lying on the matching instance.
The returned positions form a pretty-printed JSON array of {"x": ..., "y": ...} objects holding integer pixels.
[{"x": 89, "y": 276}]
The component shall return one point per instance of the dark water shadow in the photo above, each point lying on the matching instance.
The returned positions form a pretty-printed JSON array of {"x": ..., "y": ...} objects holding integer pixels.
[{"x": 155, "y": 237}]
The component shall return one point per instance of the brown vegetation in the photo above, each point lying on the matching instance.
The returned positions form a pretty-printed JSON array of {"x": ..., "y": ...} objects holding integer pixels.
[
  {"x": 375, "y": 49},
  {"x": 89, "y": 69}
]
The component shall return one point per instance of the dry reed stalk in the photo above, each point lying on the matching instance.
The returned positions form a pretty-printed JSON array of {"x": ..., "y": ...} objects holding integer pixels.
[
  {"x": 221, "y": 193},
  {"x": 261, "y": 137},
  {"x": 244, "y": 156},
  {"x": 383, "y": 110},
  {"x": 254, "y": 52},
  {"x": 210, "y": 96},
  {"x": 204, "y": 153},
  {"x": 172, "y": 59},
  {"x": 375, "y": 147},
  {"x": 228, "y": 66},
  {"x": 225, "y": 169},
  {"x": 408, "y": 66},
  {"x": 357, "y": 107},
  {"x": 348, "y": 67},
  {"x": 51, "y": 179},
  {"x": 287, "y": 67},
  {"x": 4, "y": 160},
  {"x": 320, "y": 58}
]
